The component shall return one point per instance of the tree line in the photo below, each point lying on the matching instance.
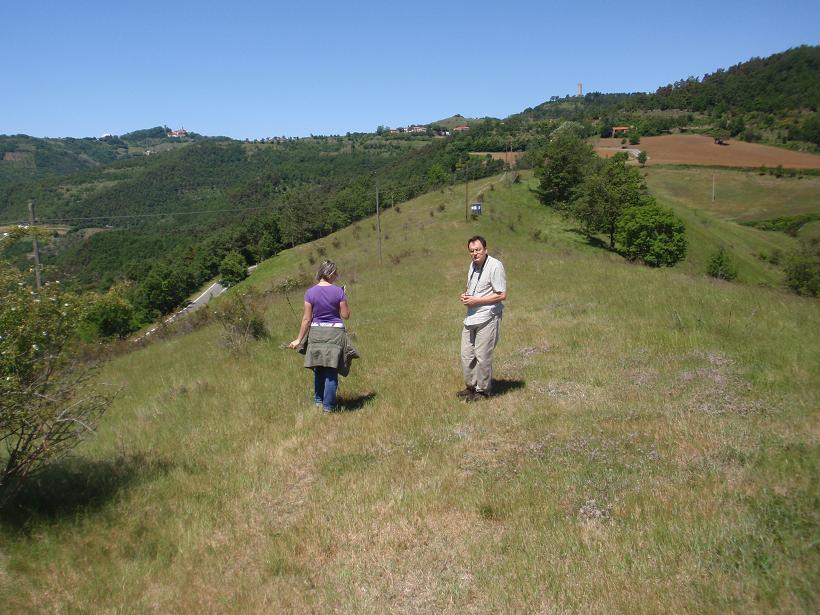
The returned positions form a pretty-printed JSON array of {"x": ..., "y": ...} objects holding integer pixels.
[{"x": 609, "y": 197}]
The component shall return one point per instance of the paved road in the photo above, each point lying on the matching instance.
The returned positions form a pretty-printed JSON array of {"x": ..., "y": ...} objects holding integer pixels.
[{"x": 214, "y": 290}]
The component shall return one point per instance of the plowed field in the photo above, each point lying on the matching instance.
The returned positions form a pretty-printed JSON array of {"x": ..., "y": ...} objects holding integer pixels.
[{"x": 699, "y": 149}]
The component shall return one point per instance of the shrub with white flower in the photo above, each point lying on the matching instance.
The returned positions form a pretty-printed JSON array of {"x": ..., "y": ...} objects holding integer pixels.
[{"x": 44, "y": 406}]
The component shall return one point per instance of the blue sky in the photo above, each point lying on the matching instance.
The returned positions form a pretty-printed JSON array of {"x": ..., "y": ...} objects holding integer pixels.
[{"x": 249, "y": 69}]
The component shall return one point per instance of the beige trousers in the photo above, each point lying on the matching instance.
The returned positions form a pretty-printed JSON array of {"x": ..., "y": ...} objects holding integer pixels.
[{"x": 477, "y": 345}]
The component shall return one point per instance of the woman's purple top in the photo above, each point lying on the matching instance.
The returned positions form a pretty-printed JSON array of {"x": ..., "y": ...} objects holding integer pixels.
[{"x": 325, "y": 301}]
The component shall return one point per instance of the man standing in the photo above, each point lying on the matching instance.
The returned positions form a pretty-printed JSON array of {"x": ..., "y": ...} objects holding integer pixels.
[{"x": 486, "y": 289}]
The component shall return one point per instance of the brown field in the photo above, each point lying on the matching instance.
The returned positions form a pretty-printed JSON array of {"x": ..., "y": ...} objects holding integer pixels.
[
  {"x": 701, "y": 150},
  {"x": 508, "y": 157}
]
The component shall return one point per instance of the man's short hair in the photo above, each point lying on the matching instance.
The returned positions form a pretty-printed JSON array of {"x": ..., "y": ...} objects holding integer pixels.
[{"x": 477, "y": 238}]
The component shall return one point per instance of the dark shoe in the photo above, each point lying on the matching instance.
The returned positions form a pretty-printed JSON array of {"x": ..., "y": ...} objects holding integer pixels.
[
  {"x": 478, "y": 396},
  {"x": 465, "y": 392}
]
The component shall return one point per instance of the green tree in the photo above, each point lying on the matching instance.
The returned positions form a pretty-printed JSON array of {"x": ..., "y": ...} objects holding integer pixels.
[
  {"x": 642, "y": 157},
  {"x": 736, "y": 125},
  {"x": 720, "y": 265},
  {"x": 720, "y": 135},
  {"x": 605, "y": 193},
  {"x": 267, "y": 246},
  {"x": 567, "y": 159},
  {"x": 159, "y": 292},
  {"x": 233, "y": 269},
  {"x": 575, "y": 130},
  {"x": 437, "y": 175},
  {"x": 45, "y": 409},
  {"x": 803, "y": 269},
  {"x": 652, "y": 234},
  {"x": 811, "y": 128},
  {"x": 111, "y": 315}
]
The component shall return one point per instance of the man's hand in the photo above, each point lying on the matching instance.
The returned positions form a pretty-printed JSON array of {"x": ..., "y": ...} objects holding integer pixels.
[{"x": 472, "y": 300}]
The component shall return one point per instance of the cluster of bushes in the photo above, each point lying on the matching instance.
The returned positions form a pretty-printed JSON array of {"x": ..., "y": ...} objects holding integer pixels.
[
  {"x": 240, "y": 316},
  {"x": 721, "y": 266},
  {"x": 609, "y": 197},
  {"x": 790, "y": 225}
]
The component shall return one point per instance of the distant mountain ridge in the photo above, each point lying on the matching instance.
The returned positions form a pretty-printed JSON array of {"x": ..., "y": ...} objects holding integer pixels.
[{"x": 199, "y": 198}]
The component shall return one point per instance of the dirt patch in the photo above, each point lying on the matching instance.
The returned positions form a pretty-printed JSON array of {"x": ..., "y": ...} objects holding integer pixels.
[
  {"x": 17, "y": 156},
  {"x": 87, "y": 233},
  {"x": 701, "y": 150},
  {"x": 509, "y": 157},
  {"x": 716, "y": 388}
]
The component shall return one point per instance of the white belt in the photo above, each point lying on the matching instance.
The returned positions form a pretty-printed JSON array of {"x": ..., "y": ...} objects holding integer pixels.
[{"x": 338, "y": 325}]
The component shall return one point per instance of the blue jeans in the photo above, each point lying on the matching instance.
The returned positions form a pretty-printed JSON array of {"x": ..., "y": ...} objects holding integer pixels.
[{"x": 325, "y": 382}]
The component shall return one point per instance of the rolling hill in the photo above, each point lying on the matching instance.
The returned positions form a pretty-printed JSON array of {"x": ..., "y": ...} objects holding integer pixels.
[
  {"x": 195, "y": 200},
  {"x": 652, "y": 446}
]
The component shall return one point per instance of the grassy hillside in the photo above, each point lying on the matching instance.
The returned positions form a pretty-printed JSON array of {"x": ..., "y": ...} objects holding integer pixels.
[
  {"x": 652, "y": 448},
  {"x": 740, "y": 196}
]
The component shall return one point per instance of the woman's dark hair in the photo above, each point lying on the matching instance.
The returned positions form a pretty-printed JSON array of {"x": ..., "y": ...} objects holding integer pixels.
[
  {"x": 326, "y": 270},
  {"x": 477, "y": 238}
]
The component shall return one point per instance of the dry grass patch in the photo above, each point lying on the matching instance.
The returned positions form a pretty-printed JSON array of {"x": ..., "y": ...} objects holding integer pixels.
[{"x": 412, "y": 565}]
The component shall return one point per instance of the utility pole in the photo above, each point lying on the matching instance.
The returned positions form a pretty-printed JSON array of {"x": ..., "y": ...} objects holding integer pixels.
[
  {"x": 713, "y": 187},
  {"x": 466, "y": 195},
  {"x": 35, "y": 246},
  {"x": 379, "y": 223}
]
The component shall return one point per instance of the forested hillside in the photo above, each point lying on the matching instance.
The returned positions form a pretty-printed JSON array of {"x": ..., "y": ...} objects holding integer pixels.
[
  {"x": 161, "y": 214},
  {"x": 24, "y": 158},
  {"x": 164, "y": 223},
  {"x": 770, "y": 99}
]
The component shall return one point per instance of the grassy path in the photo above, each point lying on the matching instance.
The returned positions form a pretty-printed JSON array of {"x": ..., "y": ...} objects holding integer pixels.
[{"x": 653, "y": 447}]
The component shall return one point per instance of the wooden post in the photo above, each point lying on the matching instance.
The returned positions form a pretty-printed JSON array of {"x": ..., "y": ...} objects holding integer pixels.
[
  {"x": 35, "y": 247},
  {"x": 379, "y": 223},
  {"x": 466, "y": 196}
]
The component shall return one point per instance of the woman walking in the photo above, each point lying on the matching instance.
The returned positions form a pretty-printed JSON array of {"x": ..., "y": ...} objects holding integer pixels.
[{"x": 322, "y": 335}]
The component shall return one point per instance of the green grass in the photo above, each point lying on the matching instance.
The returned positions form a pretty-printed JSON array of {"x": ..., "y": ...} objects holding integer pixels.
[
  {"x": 653, "y": 448},
  {"x": 739, "y": 196}
]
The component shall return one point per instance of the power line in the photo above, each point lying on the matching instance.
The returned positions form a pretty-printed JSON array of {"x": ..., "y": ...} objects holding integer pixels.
[
  {"x": 393, "y": 190},
  {"x": 153, "y": 215}
]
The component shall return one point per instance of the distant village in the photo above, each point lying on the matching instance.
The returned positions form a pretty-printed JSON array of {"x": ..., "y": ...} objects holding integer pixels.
[{"x": 419, "y": 129}]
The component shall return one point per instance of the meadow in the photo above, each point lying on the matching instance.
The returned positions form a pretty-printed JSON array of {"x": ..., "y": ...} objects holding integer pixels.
[
  {"x": 740, "y": 196},
  {"x": 652, "y": 447}
]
